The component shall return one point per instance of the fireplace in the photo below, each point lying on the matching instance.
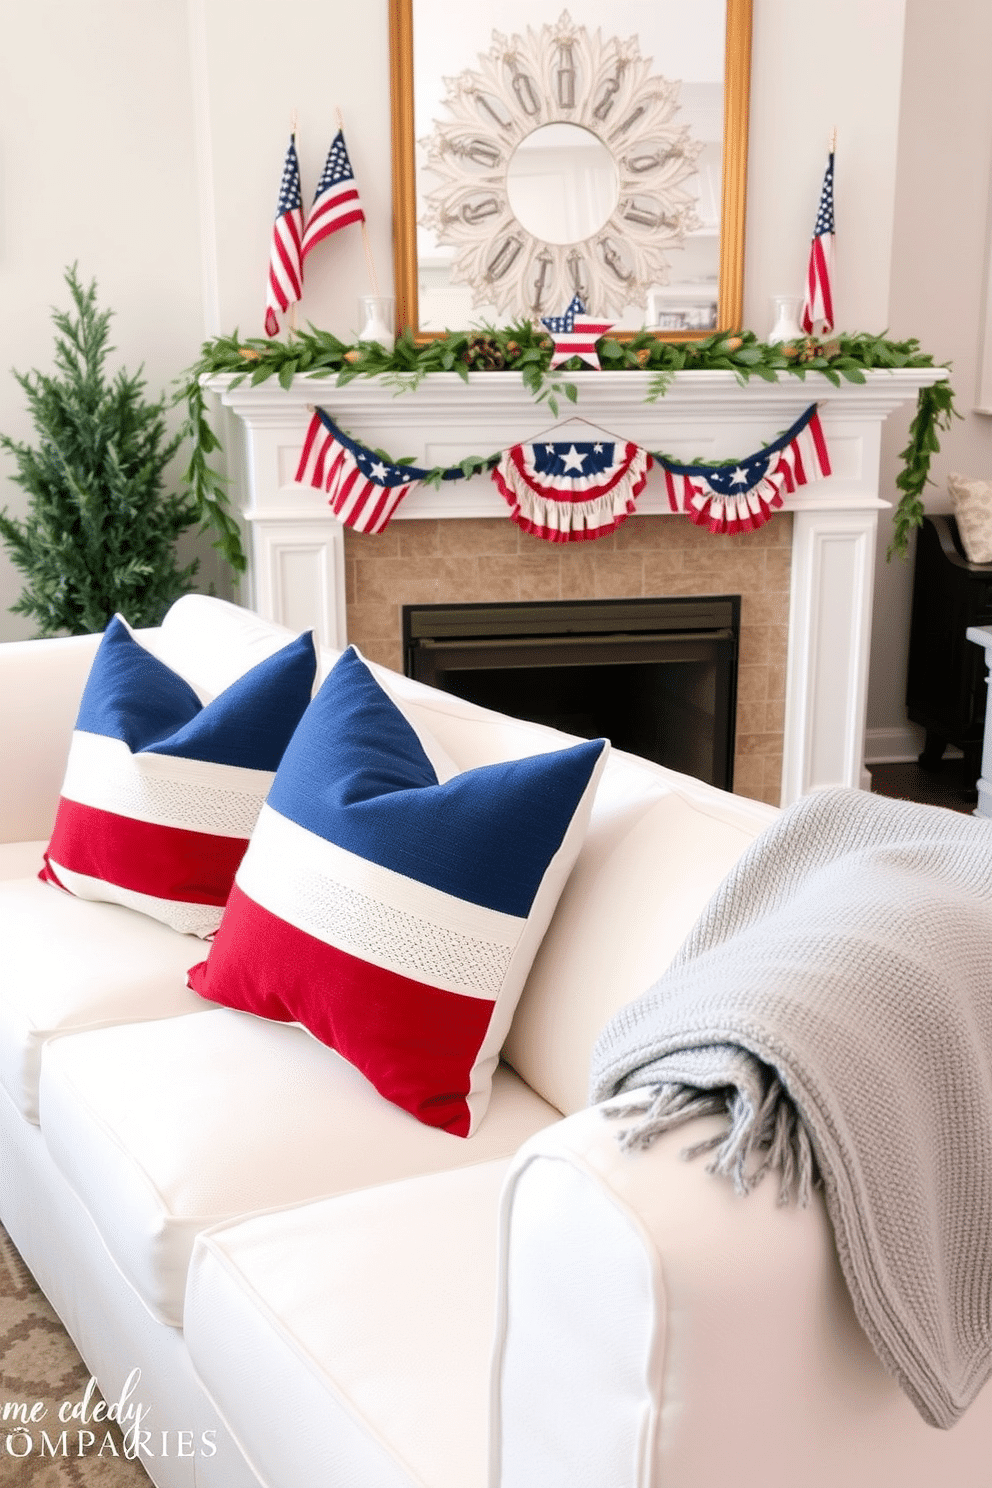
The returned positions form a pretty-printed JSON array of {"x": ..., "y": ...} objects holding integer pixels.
[{"x": 658, "y": 677}]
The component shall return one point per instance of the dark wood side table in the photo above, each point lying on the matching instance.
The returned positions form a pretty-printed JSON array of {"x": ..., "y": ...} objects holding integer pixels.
[{"x": 946, "y": 686}]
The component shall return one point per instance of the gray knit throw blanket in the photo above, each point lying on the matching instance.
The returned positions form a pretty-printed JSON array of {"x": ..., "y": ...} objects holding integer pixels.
[{"x": 835, "y": 1000}]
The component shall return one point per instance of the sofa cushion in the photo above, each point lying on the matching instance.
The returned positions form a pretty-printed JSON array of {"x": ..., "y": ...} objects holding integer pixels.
[
  {"x": 20, "y": 859},
  {"x": 365, "y": 1320},
  {"x": 161, "y": 792},
  {"x": 165, "y": 1129},
  {"x": 395, "y": 913},
  {"x": 68, "y": 966}
]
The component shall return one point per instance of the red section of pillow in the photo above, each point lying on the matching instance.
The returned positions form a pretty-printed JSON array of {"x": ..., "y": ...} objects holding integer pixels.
[
  {"x": 415, "y": 1043},
  {"x": 145, "y": 857}
]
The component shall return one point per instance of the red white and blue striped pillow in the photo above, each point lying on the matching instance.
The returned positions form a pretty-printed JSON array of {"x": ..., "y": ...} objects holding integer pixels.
[
  {"x": 162, "y": 792},
  {"x": 393, "y": 912}
]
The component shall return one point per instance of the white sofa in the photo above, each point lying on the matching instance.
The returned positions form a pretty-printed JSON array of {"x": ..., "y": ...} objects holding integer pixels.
[{"x": 318, "y": 1290}]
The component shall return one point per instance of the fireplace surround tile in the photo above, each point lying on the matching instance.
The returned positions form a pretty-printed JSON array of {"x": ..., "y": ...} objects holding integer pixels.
[{"x": 476, "y": 559}]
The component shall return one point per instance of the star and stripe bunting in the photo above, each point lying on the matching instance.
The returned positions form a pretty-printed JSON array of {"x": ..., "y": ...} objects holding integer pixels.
[
  {"x": 571, "y": 490},
  {"x": 741, "y": 496},
  {"x": 285, "y": 282},
  {"x": 575, "y": 334},
  {"x": 364, "y": 489},
  {"x": 564, "y": 488}
]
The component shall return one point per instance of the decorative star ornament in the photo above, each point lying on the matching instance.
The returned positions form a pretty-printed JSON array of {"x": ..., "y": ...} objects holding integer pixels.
[{"x": 575, "y": 334}]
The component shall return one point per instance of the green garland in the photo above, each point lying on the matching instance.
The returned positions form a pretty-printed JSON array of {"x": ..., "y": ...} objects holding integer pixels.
[{"x": 525, "y": 349}]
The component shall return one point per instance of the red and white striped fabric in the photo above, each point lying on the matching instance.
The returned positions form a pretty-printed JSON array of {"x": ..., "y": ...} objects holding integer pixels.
[
  {"x": 741, "y": 496},
  {"x": 571, "y": 490},
  {"x": 363, "y": 488}
]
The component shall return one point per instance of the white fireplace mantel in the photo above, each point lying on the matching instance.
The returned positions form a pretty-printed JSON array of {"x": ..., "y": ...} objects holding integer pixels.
[{"x": 296, "y": 546}]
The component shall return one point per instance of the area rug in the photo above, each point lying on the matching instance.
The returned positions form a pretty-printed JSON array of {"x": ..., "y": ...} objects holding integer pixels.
[{"x": 44, "y": 1441}]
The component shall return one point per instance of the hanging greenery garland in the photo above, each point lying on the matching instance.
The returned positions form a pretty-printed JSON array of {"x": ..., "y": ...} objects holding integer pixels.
[{"x": 526, "y": 349}]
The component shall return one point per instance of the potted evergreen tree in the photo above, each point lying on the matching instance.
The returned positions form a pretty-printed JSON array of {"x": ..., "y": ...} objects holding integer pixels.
[{"x": 100, "y": 532}]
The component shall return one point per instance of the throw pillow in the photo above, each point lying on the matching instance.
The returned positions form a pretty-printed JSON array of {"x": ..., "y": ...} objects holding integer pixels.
[
  {"x": 972, "y": 501},
  {"x": 161, "y": 792},
  {"x": 393, "y": 913}
]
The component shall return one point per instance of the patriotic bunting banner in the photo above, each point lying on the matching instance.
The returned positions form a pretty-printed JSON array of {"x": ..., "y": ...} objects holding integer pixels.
[
  {"x": 571, "y": 490},
  {"x": 565, "y": 489},
  {"x": 364, "y": 489},
  {"x": 741, "y": 497}
]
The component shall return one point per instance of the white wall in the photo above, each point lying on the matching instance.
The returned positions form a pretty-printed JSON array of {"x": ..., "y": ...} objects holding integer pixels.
[
  {"x": 939, "y": 266},
  {"x": 145, "y": 138},
  {"x": 96, "y": 166}
]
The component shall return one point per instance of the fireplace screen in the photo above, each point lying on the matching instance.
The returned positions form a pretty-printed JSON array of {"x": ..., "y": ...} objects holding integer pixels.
[{"x": 657, "y": 677}]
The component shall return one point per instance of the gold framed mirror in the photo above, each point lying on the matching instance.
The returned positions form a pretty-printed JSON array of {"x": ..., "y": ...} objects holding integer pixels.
[{"x": 542, "y": 155}]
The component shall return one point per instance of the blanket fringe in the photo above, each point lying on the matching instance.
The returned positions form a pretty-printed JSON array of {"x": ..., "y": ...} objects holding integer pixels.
[{"x": 758, "y": 1141}]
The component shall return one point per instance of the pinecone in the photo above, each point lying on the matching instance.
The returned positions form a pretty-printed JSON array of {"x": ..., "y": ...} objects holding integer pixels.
[
  {"x": 484, "y": 354},
  {"x": 809, "y": 349}
]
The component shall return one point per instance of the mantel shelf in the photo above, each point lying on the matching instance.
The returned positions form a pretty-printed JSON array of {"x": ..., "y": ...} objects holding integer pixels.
[{"x": 446, "y": 398}]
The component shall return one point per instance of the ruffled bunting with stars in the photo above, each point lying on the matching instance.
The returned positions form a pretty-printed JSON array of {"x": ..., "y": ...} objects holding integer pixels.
[
  {"x": 568, "y": 488},
  {"x": 741, "y": 496}
]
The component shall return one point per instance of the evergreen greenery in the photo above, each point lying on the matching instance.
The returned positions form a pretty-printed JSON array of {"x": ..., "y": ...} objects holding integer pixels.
[
  {"x": 526, "y": 349},
  {"x": 100, "y": 533}
]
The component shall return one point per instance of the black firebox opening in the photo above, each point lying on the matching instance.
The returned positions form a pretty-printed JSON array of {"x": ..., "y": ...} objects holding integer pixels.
[{"x": 657, "y": 677}]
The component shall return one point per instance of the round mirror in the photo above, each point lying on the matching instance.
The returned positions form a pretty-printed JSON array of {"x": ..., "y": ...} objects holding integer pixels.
[{"x": 562, "y": 183}]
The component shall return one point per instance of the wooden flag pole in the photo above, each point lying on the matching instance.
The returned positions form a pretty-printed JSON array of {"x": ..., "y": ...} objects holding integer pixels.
[
  {"x": 366, "y": 241},
  {"x": 833, "y": 139}
]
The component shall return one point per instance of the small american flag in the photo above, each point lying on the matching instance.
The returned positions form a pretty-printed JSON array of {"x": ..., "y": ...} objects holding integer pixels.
[
  {"x": 285, "y": 258},
  {"x": 818, "y": 303},
  {"x": 336, "y": 203},
  {"x": 575, "y": 334}
]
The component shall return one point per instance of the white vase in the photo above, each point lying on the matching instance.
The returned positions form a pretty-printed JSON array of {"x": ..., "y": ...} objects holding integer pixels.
[
  {"x": 377, "y": 316},
  {"x": 786, "y": 326}
]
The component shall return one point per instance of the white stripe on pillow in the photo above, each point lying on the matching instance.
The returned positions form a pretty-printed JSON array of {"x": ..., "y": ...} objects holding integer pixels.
[
  {"x": 373, "y": 913},
  {"x": 165, "y": 789}
]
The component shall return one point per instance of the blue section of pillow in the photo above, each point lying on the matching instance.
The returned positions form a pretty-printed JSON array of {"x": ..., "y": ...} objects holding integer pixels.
[
  {"x": 131, "y": 695},
  {"x": 355, "y": 774}
]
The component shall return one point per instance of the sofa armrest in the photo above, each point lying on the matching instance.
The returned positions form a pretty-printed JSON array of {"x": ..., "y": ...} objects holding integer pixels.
[
  {"x": 40, "y": 686},
  {"x": 655, "y": 1327}
]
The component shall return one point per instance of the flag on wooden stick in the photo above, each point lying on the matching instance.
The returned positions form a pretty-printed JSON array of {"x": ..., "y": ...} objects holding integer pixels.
[
  {"x": 285, "y": 285},
  {"x": 336, "y": 203},
  {"x": 818, "y": 302}
]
